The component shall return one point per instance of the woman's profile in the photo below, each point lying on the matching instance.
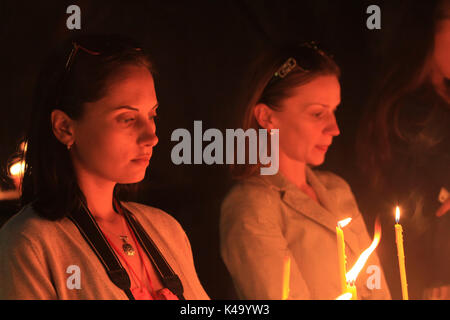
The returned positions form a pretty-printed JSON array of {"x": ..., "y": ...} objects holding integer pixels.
[
  {"x": 294, "y": 213},
  {"x": 91, "y": 137}
]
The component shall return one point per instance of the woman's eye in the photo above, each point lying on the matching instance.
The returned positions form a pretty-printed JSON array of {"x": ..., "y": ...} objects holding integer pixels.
[
  {"x": 318, "y": 114},
  {"x": 127, "y": 120}
]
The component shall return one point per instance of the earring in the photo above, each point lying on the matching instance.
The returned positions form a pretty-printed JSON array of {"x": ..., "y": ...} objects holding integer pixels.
[{"x": 69, "y": 146}]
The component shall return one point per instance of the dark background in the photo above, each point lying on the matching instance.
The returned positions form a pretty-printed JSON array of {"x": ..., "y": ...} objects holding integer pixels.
[{"x": 202, "y": 51}]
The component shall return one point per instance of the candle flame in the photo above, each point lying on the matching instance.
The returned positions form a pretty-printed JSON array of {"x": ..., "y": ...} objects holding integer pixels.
[
  {"x": 397, "y": 214},
  {"x": 345, "y": 296},
  {"x": 344, "y": 222},
  {"x": 354, "y": 272}
]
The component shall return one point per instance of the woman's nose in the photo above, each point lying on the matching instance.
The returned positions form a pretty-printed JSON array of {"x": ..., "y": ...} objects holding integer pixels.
[
  {"x": 332, "y": 127},
  {"x": 148, "y": 135}
]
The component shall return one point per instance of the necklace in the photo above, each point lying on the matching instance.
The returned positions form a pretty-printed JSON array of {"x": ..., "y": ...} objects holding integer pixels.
[{"x": 127, "y": 247}]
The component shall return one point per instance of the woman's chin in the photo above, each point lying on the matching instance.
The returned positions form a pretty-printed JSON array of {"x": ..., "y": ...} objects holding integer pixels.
[
  {"x": 132, "y": 179},
  {"x": 316, "y": 161}
]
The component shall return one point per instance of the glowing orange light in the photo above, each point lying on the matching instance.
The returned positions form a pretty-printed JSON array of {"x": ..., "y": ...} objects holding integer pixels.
[
  {"x": 17, "y": 168},
  {"x": 354, "y": 272}
]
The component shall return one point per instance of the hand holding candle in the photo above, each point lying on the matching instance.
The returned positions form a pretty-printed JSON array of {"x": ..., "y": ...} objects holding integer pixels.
[{"x": 401, "y": 253}]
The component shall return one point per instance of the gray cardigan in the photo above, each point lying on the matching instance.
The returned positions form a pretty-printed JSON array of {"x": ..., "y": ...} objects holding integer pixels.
[{"x": 35, "y": 256}]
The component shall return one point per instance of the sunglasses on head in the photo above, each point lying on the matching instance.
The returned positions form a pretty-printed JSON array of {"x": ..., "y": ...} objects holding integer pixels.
[
  {"x": 100, "y": 45},
  {"x": 104, "y": 46},
  {"x": 306, "y": 56}
]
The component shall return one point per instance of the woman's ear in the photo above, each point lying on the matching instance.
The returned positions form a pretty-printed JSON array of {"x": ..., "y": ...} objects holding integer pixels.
[
  {"x": 63, "y": 127},
  {"x": 264, "y": 116}
]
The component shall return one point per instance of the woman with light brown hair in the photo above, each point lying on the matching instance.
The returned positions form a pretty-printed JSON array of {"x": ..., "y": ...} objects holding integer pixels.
[{"x": 293, "y": 214}]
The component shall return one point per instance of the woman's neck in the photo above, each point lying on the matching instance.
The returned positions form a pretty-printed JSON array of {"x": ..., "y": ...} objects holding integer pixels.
[
  {"x": 293, "y": 170},
  {"x": 99, "y": 196}
]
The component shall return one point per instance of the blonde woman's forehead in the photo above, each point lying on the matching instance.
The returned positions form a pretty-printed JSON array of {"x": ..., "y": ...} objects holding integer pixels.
[{"x": 323, "y": 90}]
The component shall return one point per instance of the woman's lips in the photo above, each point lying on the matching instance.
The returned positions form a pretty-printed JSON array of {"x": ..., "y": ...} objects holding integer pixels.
[
  {"x": 322, "y": 148},
  {"x": 142, "y": 160}
]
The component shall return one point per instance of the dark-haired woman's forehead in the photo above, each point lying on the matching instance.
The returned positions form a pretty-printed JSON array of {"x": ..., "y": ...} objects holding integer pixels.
[{"x": 131, "y": 86}]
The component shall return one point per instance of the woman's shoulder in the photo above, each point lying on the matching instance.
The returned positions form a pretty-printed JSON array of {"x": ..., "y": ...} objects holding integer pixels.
[
  {"x": 253, "y": 188},
  {"x": 259, "y": 184},
  {"x": 27, "y": 221},
  {"x": 251, "y": 199},
  {"x": 27, "y": 228}
]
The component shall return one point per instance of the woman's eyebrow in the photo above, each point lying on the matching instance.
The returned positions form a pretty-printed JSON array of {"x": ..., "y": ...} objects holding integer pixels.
[
  {"x": 132, "y": 108},
  {"x": 324, "y": 105},
  {"x": 125, "y": 107}
]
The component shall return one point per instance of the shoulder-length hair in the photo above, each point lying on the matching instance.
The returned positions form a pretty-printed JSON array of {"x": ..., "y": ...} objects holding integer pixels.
[
  {"x": 73, "y": 75},
  {"x": 406, "y": 68},
  {"x": 264, "y": 86}
]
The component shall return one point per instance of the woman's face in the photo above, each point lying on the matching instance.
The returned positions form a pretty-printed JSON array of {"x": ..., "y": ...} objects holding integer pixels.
[
  {"x": 307, "y": 122},
  {"x": 115, "y": 136},
  {"x": 441, "y": 53}
]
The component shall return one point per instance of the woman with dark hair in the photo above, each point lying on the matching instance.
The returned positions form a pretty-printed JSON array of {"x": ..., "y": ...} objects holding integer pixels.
[
  {"x": 92, "y": 134},
  {"x": 294, "y": 213},
  {"x": 404, "y": 149}
]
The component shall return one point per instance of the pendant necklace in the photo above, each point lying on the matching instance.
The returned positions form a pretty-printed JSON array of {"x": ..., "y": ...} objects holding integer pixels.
[{"x": 127, "y": 247}]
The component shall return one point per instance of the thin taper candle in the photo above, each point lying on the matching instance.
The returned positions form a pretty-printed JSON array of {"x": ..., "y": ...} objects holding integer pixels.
[
  {"x": 341, "y": 253},
  {"x": 286, "y": 276},
  {"x": 401, "y": 254}
]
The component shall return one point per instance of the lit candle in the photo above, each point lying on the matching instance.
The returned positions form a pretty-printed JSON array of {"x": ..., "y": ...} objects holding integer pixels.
[
  {"x": 400, "y": 253},
  {"x": 352, "y": 275},
  {"x": 286, "y": 276},
  {"x": 351, "y": 288},
  {"x": 341, "y": 252}
]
